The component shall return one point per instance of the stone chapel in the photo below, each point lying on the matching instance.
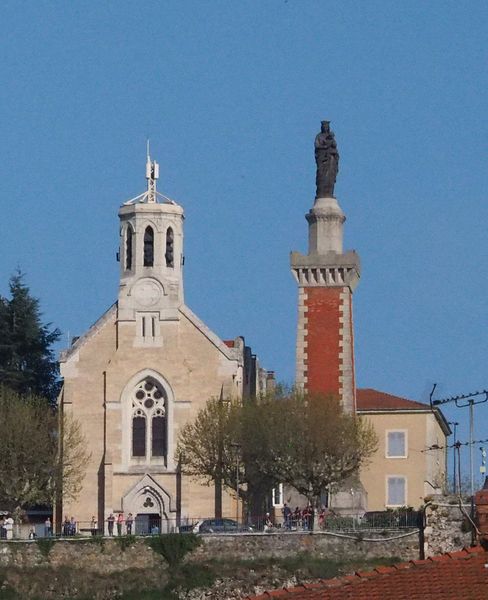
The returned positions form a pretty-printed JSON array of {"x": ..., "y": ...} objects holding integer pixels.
[{"x": 144, "y": 369}]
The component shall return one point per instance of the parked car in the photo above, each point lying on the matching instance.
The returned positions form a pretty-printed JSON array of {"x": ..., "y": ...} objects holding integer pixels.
[{"x": 219, "y": 526}]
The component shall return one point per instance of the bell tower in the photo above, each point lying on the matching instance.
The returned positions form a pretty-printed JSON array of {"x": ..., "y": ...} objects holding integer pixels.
[
  {"x": 326, "y": 277},
  {"x": 151, "y": 260}
]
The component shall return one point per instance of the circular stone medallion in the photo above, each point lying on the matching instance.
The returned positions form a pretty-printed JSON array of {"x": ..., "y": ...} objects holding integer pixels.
[{"x": 147, "y": 292}]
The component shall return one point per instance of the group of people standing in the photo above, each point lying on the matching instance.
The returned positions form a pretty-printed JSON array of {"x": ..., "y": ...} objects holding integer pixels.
[
  {"x": 119, "y": 522},
  {"x": 70, "y": 525},
  {"x": 303, "y": 518}
]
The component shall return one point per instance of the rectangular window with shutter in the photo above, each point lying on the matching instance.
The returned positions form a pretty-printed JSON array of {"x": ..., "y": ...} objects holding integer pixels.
[
  {"x": 396, "y": 492},
  {"x": 396, "y": 444}
]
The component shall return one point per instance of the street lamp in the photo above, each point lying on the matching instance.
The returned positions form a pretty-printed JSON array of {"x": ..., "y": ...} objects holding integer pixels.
[
  {"x": 454, "y": 480},
  {"x": 237, "y": 448}
]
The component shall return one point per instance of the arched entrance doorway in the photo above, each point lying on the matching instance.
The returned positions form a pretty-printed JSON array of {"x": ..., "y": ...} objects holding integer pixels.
[{"x": 149, "y": 504}]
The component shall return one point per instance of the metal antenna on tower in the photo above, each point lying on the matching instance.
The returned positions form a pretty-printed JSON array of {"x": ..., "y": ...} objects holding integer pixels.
[{"x": 152, "y": 174}]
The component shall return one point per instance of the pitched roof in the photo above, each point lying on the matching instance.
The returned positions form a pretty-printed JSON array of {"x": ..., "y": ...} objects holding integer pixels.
[
  {"x": 369, "y": 399},
  {"x": 455, "y": 575}
]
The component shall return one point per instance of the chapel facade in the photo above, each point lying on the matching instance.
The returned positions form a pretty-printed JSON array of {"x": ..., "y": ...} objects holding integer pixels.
[{"x": 142, "y": 371}]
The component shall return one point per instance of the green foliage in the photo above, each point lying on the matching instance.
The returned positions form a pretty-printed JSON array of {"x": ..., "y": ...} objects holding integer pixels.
[
  {"x": 305, "y": 441},
  {"x": 27, "y": 362},
  {"x": 125, "y": 541},
  {"x": 337, "y": 523},
  {"x": 30, "y": 462},
  {"x": 174, "y": 546},
  {"x": 45, "y": 545}
]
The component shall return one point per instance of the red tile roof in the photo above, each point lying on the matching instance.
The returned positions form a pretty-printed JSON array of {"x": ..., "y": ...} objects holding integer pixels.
[
  {"x": 369, "y": 399},
  {"x": 456, "y": 576},
  {"x": 230, "y": 343}
]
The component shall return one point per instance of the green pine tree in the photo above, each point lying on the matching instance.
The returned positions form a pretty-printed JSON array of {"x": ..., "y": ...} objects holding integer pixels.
[{"x": 27, "y": 361}]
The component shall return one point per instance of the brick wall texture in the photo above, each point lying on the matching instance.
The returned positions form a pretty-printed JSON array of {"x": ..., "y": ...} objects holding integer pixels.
[{"x": 322, "y": 337}]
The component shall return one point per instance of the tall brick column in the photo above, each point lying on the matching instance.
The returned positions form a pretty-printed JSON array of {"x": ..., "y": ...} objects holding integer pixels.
[{"x": 326, "y": 279}]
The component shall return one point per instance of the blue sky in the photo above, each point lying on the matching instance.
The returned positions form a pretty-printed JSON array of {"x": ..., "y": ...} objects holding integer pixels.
[{"x": 231, "y": 95}]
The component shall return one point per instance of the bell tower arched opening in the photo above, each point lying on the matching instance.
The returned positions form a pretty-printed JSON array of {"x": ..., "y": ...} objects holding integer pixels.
[
  {"x": 149, "y": 247},
  {"x": 129, "y": 233}
]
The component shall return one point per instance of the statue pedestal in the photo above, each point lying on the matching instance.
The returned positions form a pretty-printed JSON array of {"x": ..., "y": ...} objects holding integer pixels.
[
  {"x": 326, "y": 221},
  {"x": 351, "y": 499}
]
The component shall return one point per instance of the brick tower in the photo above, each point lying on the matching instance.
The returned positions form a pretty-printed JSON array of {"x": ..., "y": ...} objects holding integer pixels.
[{"x": 326, "y": 278}]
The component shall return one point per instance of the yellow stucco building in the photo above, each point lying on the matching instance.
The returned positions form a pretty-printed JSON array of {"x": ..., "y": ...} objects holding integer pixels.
[{"x": 410, "y": 463}]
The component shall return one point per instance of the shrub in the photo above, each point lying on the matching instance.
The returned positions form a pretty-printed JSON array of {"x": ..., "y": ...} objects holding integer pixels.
[
  {"x": 45, "y": 545},
  {"x": 174, "y": 546}
]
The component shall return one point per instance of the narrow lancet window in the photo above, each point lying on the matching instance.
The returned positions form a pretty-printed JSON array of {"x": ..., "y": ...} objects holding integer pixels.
[
  {"x": 169, "y": 248},
  {"x": 128, "y": 248},
  {"x": 139, "y": 436},
  {"x": 149, "y": 247},
  {"x": 159, "y": 436}
]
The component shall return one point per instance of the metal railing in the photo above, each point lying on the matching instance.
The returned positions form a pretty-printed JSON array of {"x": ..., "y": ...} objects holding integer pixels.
[{"x": 144, "y": 525}]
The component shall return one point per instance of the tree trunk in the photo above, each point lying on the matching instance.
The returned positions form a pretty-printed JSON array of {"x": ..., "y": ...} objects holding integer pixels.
[{"x": 218, "y": 497}]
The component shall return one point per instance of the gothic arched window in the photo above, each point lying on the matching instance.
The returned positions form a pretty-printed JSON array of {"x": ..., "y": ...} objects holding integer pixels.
[
  {"x": 128, "y": 247},
  {"x": 148, "y": 247},
  {"x": 169, "y": 255},
  {"x": 149, "y": 420}
]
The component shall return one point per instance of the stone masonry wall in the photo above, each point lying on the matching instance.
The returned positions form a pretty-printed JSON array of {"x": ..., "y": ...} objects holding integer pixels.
[
  {"x": 447, "y": 528},
  {"x": 319, "y": 544},
  {"x": 110, "y": 557}
]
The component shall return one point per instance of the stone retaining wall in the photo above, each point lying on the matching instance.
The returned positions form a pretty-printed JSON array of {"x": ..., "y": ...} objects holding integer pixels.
[
  {"x": 110, "y": 557},
  {"x": 102, "y": 556},
  {"x": 323, "y": 545}
]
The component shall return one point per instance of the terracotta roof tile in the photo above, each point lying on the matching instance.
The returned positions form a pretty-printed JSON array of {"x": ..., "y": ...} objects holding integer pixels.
[
  {"x": 385, "y": 569},
  {"x": 369, "y": 399},
  {"x": 453, "y": 576}
]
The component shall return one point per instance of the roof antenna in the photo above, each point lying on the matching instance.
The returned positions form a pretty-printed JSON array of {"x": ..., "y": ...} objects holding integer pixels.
[{"x": 152, "y": 174}]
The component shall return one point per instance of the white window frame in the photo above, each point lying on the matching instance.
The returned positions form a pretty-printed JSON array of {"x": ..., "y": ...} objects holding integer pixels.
[
  {"x": 405, "y": 444},
  {"x": 279, "y": 504},
  {"x": 405, "y": 489}
]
